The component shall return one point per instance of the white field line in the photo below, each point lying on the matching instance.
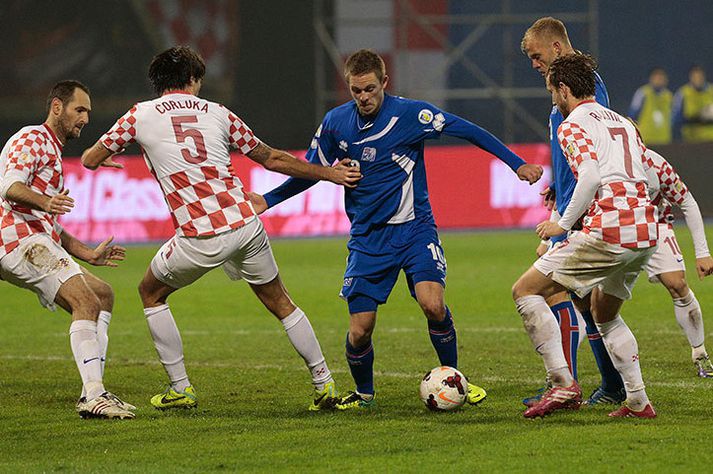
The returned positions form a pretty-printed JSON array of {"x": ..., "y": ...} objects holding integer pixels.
[
  {"x": 534, "y": 381},
  {"x": 394, "y": 330}
]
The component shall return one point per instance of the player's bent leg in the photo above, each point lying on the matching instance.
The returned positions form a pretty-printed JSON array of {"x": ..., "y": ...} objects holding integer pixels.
[
  {"x": 611, "y": 389},
  {"x": 167, "y": 341},
  {"x": 690, "y": 318},
  {"x": 76, "y": 296},
  {"x": 622, "y": 346},
  {"x": 298, "y": 328},
  {"x": 529, "y": 293},
  {"x": 360, "y": 354},
  {"x": 105, "y": 293},
  {"x": 568, "y": 320},
  {"x": 441, "y": 330}
]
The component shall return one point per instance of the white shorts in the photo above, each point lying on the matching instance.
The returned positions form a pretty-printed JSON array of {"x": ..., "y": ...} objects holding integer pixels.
[
  {"x": 244, "y": 253},
  {"x": 668, "y": 257},
  {"x": 39, "y": 264},
  {"x": 583, "y": 262}
]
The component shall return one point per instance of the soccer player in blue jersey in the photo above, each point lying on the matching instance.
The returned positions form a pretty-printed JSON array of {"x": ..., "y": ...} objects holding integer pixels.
[
  {"x": 392, "y": 225},
  {"x": 543, "y": 42}
]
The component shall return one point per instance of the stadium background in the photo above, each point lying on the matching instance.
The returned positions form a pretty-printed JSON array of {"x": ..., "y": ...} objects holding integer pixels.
[{"x": 281, "y": 76}]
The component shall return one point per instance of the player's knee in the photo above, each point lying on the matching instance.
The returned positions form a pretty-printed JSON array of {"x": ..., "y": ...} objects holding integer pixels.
[
  {"x": 677, "y": 287},
  {"x": 148, "y": 298},
  {"x": 518, "y": 290},
  {"x": 105, "y": 294},
  {"x": 360, "y": 336},
  {"x": 434, "y": 310},
  {"x": 88, "y": 304}
]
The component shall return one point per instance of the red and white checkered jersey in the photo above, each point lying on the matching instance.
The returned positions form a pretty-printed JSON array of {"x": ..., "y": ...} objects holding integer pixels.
[
  {"x": 621, "y": 213},
  {"x": 665, "y": 186},
  {"x": 32, "y": 156},
  {"x": 186, "y": 142}
]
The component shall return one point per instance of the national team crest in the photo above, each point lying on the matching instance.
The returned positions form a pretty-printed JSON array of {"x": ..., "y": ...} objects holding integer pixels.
[
  {"x": 425, "y": 116},
  {"x": 368, "y": 154}
]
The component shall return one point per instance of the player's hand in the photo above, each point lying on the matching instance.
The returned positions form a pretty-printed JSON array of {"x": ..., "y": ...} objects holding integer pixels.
[
  {"x": 110, "y": 163},
  {"x": 106, "y": 255},
  {"x": 541, "y": 249},
  {"x": 548, "y": 198},
  {"x": 258, "y": 202},
  {"x": 529, "y": 173},
  {"x": 347, "y": 173},
  {"x": 704, "y": 267},
  {"x": 547, "y": 229},
  {"x": 60, "y": 203}
]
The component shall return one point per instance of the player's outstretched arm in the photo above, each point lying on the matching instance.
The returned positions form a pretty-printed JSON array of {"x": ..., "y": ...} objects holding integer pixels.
[
  {"x": 458, "y": 127},
  {"x": 98, "y": 155},
  {"x": 104, "y": 254},
  {"x": 282, "y": 162},
  {"x": 22, "y": 194}
]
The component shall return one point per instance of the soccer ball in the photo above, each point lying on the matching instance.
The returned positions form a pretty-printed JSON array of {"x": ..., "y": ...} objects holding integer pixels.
[{"x": 443, "y": 389}]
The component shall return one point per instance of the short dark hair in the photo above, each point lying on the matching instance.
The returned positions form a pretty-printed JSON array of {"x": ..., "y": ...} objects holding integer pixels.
[
  {"x": 174, "y": 69},
  {"x": 576, "y": 71},
  {"x": 363, "y": 62},
  {"x": 64, "y": 91}
]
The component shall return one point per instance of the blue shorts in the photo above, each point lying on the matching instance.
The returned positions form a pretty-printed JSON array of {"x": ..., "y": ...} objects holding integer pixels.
[{"x": 370, "y": 276}]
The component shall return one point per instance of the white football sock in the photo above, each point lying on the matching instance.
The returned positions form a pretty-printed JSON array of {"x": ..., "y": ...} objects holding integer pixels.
[
  {"x": 103, "y": 335},
  {"x": 103, "y": 339},
  {"x": 301, "y": 335},
  {"x": 624, "y": 352},
  {"x": 690, "y": 318},
  {"x": 169, "y": 346},
  {"x": 85, "y": 347},
  {"x": 545, "y": 336}
]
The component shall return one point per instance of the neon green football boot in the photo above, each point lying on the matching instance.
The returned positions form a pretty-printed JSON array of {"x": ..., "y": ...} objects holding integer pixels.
[
  {"x": 175, "y": 399},
  {"x": 324, "y": 399},
  {"x": 355, "y": 400}
]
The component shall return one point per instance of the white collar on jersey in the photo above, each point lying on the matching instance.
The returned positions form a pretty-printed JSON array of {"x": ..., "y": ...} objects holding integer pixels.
[{"x": 366, "y": 125}]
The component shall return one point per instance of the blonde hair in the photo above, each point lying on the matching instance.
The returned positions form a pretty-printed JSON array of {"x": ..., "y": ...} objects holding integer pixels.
[{"x": 547, "y": 27}]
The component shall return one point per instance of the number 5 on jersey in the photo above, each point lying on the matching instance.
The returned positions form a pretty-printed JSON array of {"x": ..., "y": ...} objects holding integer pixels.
[{"x": 183, "y": 133}]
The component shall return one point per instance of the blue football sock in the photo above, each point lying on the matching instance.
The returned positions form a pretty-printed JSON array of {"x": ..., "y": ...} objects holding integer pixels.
[
  {"x": 569, "y": 328},
  {"x": 444, "y": 340},
  {"x": 611, "y": 380},
  {"x": 361, "y": 365}
]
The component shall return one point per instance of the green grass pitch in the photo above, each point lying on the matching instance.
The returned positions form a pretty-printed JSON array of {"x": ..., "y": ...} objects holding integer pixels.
[{"x": 254, "y": 390}]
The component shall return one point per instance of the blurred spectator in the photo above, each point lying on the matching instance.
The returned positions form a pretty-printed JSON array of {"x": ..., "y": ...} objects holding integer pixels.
[
  {"x": 693, "y": 107},
  {"x": 651, "y": 108}
]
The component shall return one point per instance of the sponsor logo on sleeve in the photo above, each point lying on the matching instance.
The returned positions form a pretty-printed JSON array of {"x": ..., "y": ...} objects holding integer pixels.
[
  {"x": 438, "y": 121},
  {"x": 425, "y": 116}
]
